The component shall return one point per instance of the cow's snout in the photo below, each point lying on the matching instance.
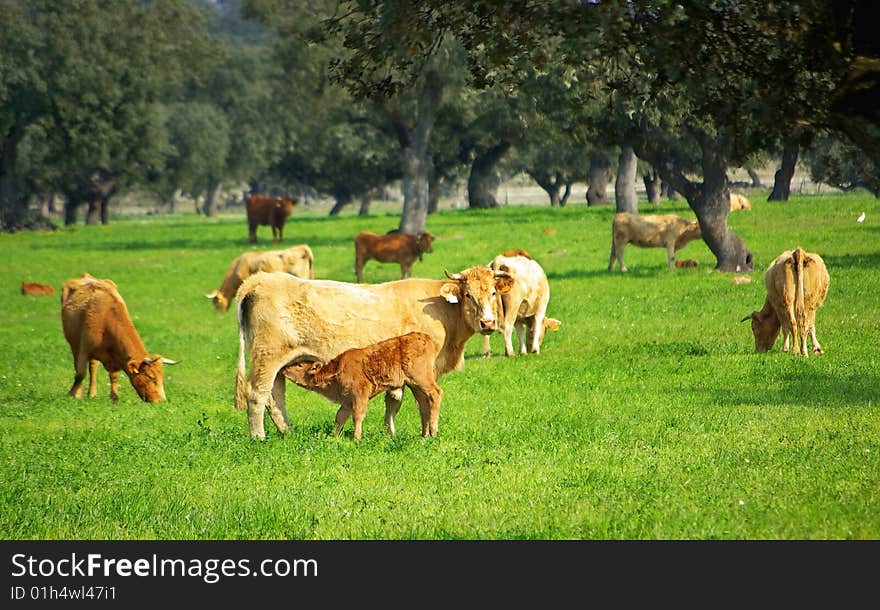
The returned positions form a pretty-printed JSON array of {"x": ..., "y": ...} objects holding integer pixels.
[{"x": 488, "y": 325}]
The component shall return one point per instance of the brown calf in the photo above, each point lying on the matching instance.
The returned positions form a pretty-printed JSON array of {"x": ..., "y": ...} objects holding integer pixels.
[
  {"x": 797, "y": 284},
  {"x": 272, "y": 211},
  {"x": 390, "y": 248},
  {"x": 651, "y": 231},
  {"x": 357, "y": 375},
  {"x": 35, "y": 289},
  {"x": 98, "y": 328}
]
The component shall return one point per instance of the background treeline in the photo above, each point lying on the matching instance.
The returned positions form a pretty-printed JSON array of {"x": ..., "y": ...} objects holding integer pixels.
[{"x": 343, "y": 99}]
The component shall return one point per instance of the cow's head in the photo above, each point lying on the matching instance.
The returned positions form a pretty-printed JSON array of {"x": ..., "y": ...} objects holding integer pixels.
[
  {"x": 424, "y": 241},
  {"x": 476, "y": 290},
  {"x": 765, "y": 327},
  {"x": 147, "y": 377},
  {"x": 220, "y": 302},
  {"x": 309, "y": 374}
]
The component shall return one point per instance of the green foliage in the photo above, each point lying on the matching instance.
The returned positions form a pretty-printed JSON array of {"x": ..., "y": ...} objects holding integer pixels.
[
  {"x": 646, "y": 416},
  {"x": 840, "y": 164}
]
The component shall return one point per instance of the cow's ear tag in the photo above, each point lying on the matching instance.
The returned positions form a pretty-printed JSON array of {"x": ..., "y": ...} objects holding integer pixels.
[{"x": 449, "y": 292}]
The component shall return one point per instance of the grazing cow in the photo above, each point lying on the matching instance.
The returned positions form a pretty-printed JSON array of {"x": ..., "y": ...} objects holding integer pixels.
[
  {"x": 356, "y": 375},
  {"x": 98, "y": 328},
  {"x": 651, "y": 231},
  {"x": 283, "y": 319},
  {"x": 524, "y": 306},
  {"x": 399, "y": 248},
  {"x": 296, "y": 260},
  {"x": 739, "y": 202},
  {"x": 35, "y": 289},
  {"x": 272, "y": 211},
  {"x": 797, "y": 284}
]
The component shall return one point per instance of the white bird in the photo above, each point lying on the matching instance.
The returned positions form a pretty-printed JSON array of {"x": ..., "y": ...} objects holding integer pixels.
[{"x": 861, "y": 217}]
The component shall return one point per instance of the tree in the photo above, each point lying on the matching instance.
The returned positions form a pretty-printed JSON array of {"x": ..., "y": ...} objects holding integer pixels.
[{"x": 837, "y": 162}]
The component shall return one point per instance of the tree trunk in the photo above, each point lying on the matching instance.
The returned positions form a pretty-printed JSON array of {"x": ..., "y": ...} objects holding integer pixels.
[
  {"x": 625, "y": 197},
  {"x": 756, "y": 179},
  {"x": 12, "y": 208},
  {"x": 598, "y": 176},
  {"x": 667, "y": 191},
  {"x": 434, "y": 191},
  {"x": 341, "y": 202},
  {"x": 210, "y": 206},
  {"x": 104, "y": 210},
  {"x": 93, "y": 212},
  {"x": 71, "y": 203},
  {"x": 365, "y": 204},
  {"x": 566, "y": 193},
  {"x": 551, "y": 185},
  {"x": 783, "y": 176},
  {"x": 483, "y": 180},
  {"x": 652, "y": 186}
]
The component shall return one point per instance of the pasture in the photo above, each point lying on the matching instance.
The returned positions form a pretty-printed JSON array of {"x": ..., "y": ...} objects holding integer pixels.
[{"x": 646, "y": 416}]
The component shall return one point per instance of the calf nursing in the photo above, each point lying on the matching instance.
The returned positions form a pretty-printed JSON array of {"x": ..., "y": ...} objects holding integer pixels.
[{"x": 356, "y": 375}]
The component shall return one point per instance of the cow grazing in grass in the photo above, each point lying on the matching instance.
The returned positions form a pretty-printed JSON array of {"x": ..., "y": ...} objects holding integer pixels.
[
  {"x": 524, "y": 306},
  {"x": 271, "y": 211},
  {"x": 400, "y": 248},
  {"x": 739, "y": 202},
  {"x": 651, "y": 231},
  {"x": 296, "y": 260},
  {"x": 36, "y": 289},
  {"x": 283, "y": 319},
  {"x": 356, "y": 375},
  {"x": 797, "y": 284},
  {"x": 98, "y": 328}
]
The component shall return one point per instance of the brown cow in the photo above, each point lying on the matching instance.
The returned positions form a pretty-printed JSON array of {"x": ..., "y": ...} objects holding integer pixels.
[
  {"x": 296, "y": 260},
  {"x": 739, "y": 202},
  {"x": 650, "y": 231},
  {"x": 272, "y": 211},
  {"x": 98, "y": 328},
  {"x": 797, "y": 284},
  {"x": 284, "y": 319},
  {"x": 36, "y": 289},
  {"x": 524, "y": 306},
  {"x": 356, "y": 375},
  {"x": 399, "y": 248}
]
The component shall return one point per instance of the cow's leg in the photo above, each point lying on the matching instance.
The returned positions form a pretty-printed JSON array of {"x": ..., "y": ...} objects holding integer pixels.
[
  {"x": 252, "y": 233},
  {"x": 670, "y": 255},
  {"x": 522, "y": 335},
  {"x": 405, "y": 270},
  {"x": 114, "y": 386},
  {"x": 619, "y": 246},
  {"x": 487, "y": 346},
  {"x": 259, "y": 396},
  {"x": 93, "y": 379},
  {"x": 277, "y": 408},
  {"x": 789, "y": 330},
  {"x": 393, "y": 400},
  {"x": 342, "y": 416},
  {"x": 811, "y": 323},
  {"x": 80, "y": 364},
  {"x": 428, "y": 398},
  {"x": 359, "y": 268},
  {"x": 359, "y": 410},
  {"x": 509, "y": 323}
]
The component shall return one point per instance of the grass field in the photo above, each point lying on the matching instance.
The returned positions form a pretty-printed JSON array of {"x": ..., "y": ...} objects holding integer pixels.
[{"x": 647, "y": 416}]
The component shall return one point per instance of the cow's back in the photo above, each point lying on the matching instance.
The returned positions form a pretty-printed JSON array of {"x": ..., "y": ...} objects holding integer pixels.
[
  {"x": 322, "y": 318},
  {"x": 86, "y": 305},
  {"x": 530, "y": 288}
]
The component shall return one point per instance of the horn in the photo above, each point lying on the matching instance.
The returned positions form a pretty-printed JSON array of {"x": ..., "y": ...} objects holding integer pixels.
[
  {"x": 211, "y": 295},
  {"x": 170, "y": 361},
  {"x": 455, "y": 276},
  {"x": 748, "y": 317}
]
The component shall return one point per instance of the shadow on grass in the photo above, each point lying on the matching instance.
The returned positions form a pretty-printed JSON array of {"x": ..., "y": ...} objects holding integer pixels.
[
  {"x": 201, "y": 243},
  {"x": 814, "y": 390},
  {"x": 640, "y": 273},
  {"x": 847, "y": 261}
]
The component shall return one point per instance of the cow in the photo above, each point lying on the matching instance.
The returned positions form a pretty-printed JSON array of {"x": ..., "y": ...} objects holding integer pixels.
[
  {"x": 651, "y": 231},
  {"x": 296, "y": 260},
  {"x": 36, "y": 289},
  {"x": 282, "y": 319},
  {"x": 797, "y": 284},
  {"x": 272, "y": 211},
  {"x": 739, "y": 202},
  {"x": 98, "y": 328},
  {"x": 689, "y": 262},
  {"x": 524, "y": 306},
  {"x": 356, "y": 375},
  {"x": 400, "y": 248}
]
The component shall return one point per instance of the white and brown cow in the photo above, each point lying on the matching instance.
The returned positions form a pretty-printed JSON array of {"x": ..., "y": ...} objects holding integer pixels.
[
  {"x": 651, "y": 231},
  {"x": 797, "y": 284},
  {"x": 296, "y": 260},
  {"x": 284, "y": 319},
  {"x": 358, "y": 374},
  {"x": 97, "y": 326},
  {"x": 524, "y": 306}
]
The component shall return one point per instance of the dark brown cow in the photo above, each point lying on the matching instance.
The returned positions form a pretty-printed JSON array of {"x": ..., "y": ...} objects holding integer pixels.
[
  {"x": 272, "y": 211},
  {"x": 356, "y": 375},
  {"x": 36, "y": 289},
  {"x": 390, "y": 248},
  {"x": 98, "y": 328}
]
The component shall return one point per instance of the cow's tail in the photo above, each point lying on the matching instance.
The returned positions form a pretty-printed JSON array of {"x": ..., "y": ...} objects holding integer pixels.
[
  {"x": 241, "y": 383},
  {"x": 800, "y": 312},
  {"x": 311, "y": 258}
]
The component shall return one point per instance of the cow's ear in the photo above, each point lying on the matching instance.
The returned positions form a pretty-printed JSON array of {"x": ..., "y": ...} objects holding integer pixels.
[
  {"x": 503, "y": 283},
  {"x": 132, "y": 366},
  {"x": 314, "y": 368},
  {"x": 451, "y": 292}
]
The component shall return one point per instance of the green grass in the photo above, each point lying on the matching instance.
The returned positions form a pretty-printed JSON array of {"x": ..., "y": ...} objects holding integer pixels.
[{"x": 647, "y": 416}]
